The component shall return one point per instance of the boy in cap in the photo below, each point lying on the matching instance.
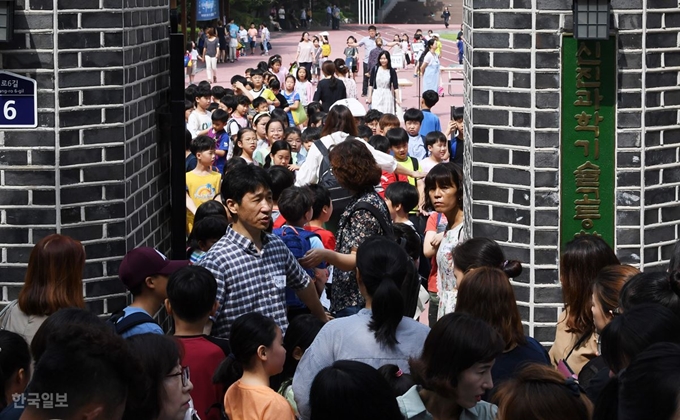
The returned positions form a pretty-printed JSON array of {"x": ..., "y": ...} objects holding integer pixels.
[{"x": 144, "y": 272}]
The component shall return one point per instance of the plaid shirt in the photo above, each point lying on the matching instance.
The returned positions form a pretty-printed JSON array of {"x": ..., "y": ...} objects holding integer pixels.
[{"x": 251, "y": 281}]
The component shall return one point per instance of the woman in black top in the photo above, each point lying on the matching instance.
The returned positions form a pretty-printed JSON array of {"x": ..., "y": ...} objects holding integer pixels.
[
  {"x": 222, "y": 35},
  {"x": 330, "y": 89}
]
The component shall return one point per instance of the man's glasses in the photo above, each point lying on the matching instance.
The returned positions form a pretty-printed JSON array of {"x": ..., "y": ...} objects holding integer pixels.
[{"x": 185, "y": 375}]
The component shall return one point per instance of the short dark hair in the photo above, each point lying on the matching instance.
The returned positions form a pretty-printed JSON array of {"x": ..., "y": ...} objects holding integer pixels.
[
  {"x": 434, "y": 137},
  {"x": 430, "y": 97},
  {"x": 321, "y": 198},
  {"x": 364, "y": 132},
  {"x": 208, "y": 209},
  {"x": 455, "y": 343},
  {"x": 90, "y": 365},
  {"x": 203, "y": 93},
  {"x": 402, "y": 193},
  {"x": 352, "y": 390},
  {"x": 220, "y": 115},
  {"x": 230, "y": 102},
  {"x": 239, "y": 78},
  {"x": 209, "y": 228},
  {"x": 311, "y": 134},
  {"x": 413, "y": 114},
  {"x": 202, "y": 144},
  {"x": 259, "y": 101},
  {"x": 188, "y": 105},
  {"x": 274, "y": 84},
  {"x": 397, "y": 136},
  {"x": 379, "y": 142},
  {"x": 14, "y": 356},
  {"x": 294, "y": 203},
  {"x": 281, "y": 178},
  {"x": 243, "y": 180},
  {"x": 204, "y": 84},
  {"x": 242, "y": 100},
  {"x": 458, "y": 113},
  {"x": 372, "y": 115},
  {"x": 445, "y": 174},
  {"x": 217, "y": 92},
  {"x": 372, "y": 28},
  {"x": 192, "y": 291},
  {"x": 158, "y": 355},
  {"x": 190, "y": 93}
]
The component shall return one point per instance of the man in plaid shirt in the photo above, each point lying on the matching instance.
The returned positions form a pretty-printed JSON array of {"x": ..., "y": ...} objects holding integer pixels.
[{"x": 252, "y": 267}]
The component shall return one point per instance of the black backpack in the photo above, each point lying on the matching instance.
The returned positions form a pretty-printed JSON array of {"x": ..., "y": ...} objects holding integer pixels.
[
  {"x": 128, "y": 322},
  {"x": 339, "y": 196}
]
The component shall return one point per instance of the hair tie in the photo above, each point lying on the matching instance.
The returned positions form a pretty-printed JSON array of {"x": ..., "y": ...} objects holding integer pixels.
[
  {"x": 399, "y": 373},
  {"x": 573, "y": 387},
  {"x": 505, "y": 264},
  {"x": 231, "y": 356}
]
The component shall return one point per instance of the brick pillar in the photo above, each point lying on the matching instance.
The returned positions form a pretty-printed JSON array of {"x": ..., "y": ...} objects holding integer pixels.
[
  {"x": 513, "y": 68},
  {"x": 96, "y": 168}
]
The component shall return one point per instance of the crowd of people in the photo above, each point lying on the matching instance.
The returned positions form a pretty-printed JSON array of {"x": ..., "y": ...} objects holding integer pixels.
[{"x": 328, "y": 275}]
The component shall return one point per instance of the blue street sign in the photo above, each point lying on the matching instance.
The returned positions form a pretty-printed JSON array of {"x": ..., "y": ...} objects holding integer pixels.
[{"x": 18, "y": 101}]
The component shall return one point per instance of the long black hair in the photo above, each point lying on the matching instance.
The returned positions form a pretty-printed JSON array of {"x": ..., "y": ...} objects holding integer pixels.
[{"x": 382, "y": 266}]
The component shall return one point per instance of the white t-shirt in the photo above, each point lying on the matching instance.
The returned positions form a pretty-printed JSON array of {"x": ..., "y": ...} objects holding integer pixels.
[{"x": 199, "y": 121}]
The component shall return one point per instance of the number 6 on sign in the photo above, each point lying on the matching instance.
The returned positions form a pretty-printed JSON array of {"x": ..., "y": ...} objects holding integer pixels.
[
  {"x": 18, "y": 100},
  {"x": 8, "y": 111}
]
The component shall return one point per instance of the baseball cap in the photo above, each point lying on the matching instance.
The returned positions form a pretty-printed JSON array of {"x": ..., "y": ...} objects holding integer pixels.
[
  {"x": 355, "y": 107},
  {"x": 144, "y": 262}
]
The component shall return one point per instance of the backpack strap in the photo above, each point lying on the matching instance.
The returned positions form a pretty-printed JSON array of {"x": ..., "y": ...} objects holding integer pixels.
[
  {"x": 386, "y": 228},
  {"x": 415, "y": 163},
  {"x": 326, "y": 162},
  {"x": 122, "y": 323}
]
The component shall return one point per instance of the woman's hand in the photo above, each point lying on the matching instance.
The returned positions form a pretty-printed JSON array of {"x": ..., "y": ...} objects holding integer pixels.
[
  {"x": 293, "y": 167},
  {"x": 368, "y": 100},
  {"x": 437, "y": 240},
  {"x": 312, "y": 258}
]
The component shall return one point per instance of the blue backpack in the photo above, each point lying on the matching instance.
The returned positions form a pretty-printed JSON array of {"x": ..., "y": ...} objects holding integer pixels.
[{"x": 298, "y": 242}]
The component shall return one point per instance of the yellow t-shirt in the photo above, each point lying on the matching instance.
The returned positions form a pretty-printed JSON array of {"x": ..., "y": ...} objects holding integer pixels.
[
  {"x": 438, "y": 48},
  {"x": 201, "y": 188},
  {"x": 325, "y": 50},
  {"x": 408, "y": 164}
]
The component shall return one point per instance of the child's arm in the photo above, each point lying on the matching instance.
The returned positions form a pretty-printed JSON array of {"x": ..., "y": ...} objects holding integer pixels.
[{"x": 190, "y": 204}]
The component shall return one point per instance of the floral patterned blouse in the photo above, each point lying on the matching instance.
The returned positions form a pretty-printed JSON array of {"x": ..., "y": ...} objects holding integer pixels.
[
  {"x": 353, "y": 229},
  {"x": 446, "y": 280}
]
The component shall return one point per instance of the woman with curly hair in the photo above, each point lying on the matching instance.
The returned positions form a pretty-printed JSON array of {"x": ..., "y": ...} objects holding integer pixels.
[
  {"x": 54, "y": 280},
  {"x": 366, "y": 214}
]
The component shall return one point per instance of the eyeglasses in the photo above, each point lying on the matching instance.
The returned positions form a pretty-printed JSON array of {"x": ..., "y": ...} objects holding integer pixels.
[{"x": 185, "y": 375}]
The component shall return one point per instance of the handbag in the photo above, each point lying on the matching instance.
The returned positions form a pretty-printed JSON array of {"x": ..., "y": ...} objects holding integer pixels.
[
  {"x": 269, "y": 45},
  {"x": 187, "y": 60},
  {"x": 299, "y": 115},
  {"x": 293, "y": 68}
]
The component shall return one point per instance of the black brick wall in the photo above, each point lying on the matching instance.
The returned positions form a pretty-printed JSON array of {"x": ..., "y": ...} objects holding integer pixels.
[
  {"x": 96, "y": 168},
  {"x": 513, "y": 54}
]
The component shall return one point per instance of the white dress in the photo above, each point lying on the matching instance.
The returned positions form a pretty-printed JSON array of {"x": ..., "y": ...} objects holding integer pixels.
[
  {"x": 446, "y": 280},
  {"x": 382, "y": 98}
]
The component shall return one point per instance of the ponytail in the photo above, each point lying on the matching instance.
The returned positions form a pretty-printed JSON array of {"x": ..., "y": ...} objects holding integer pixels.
[
  {"x": 248, "y": 333},
  {"x": 382, "y": 266}
]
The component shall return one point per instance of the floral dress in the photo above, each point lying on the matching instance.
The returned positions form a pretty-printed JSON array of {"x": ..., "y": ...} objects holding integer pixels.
[
  {"x": 382, "y": 98},
  {"x": 353, "y": 229},
  {"x": 446, "y": 280}
]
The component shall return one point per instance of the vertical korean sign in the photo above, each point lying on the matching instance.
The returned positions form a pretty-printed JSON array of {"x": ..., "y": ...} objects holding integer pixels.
[
  {"x": 207, "y": 10},
  {"x": 588, "y": 136}
]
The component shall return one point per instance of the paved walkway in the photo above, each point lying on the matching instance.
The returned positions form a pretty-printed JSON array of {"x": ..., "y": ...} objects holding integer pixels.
[{"x": 285, "y": 44}]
